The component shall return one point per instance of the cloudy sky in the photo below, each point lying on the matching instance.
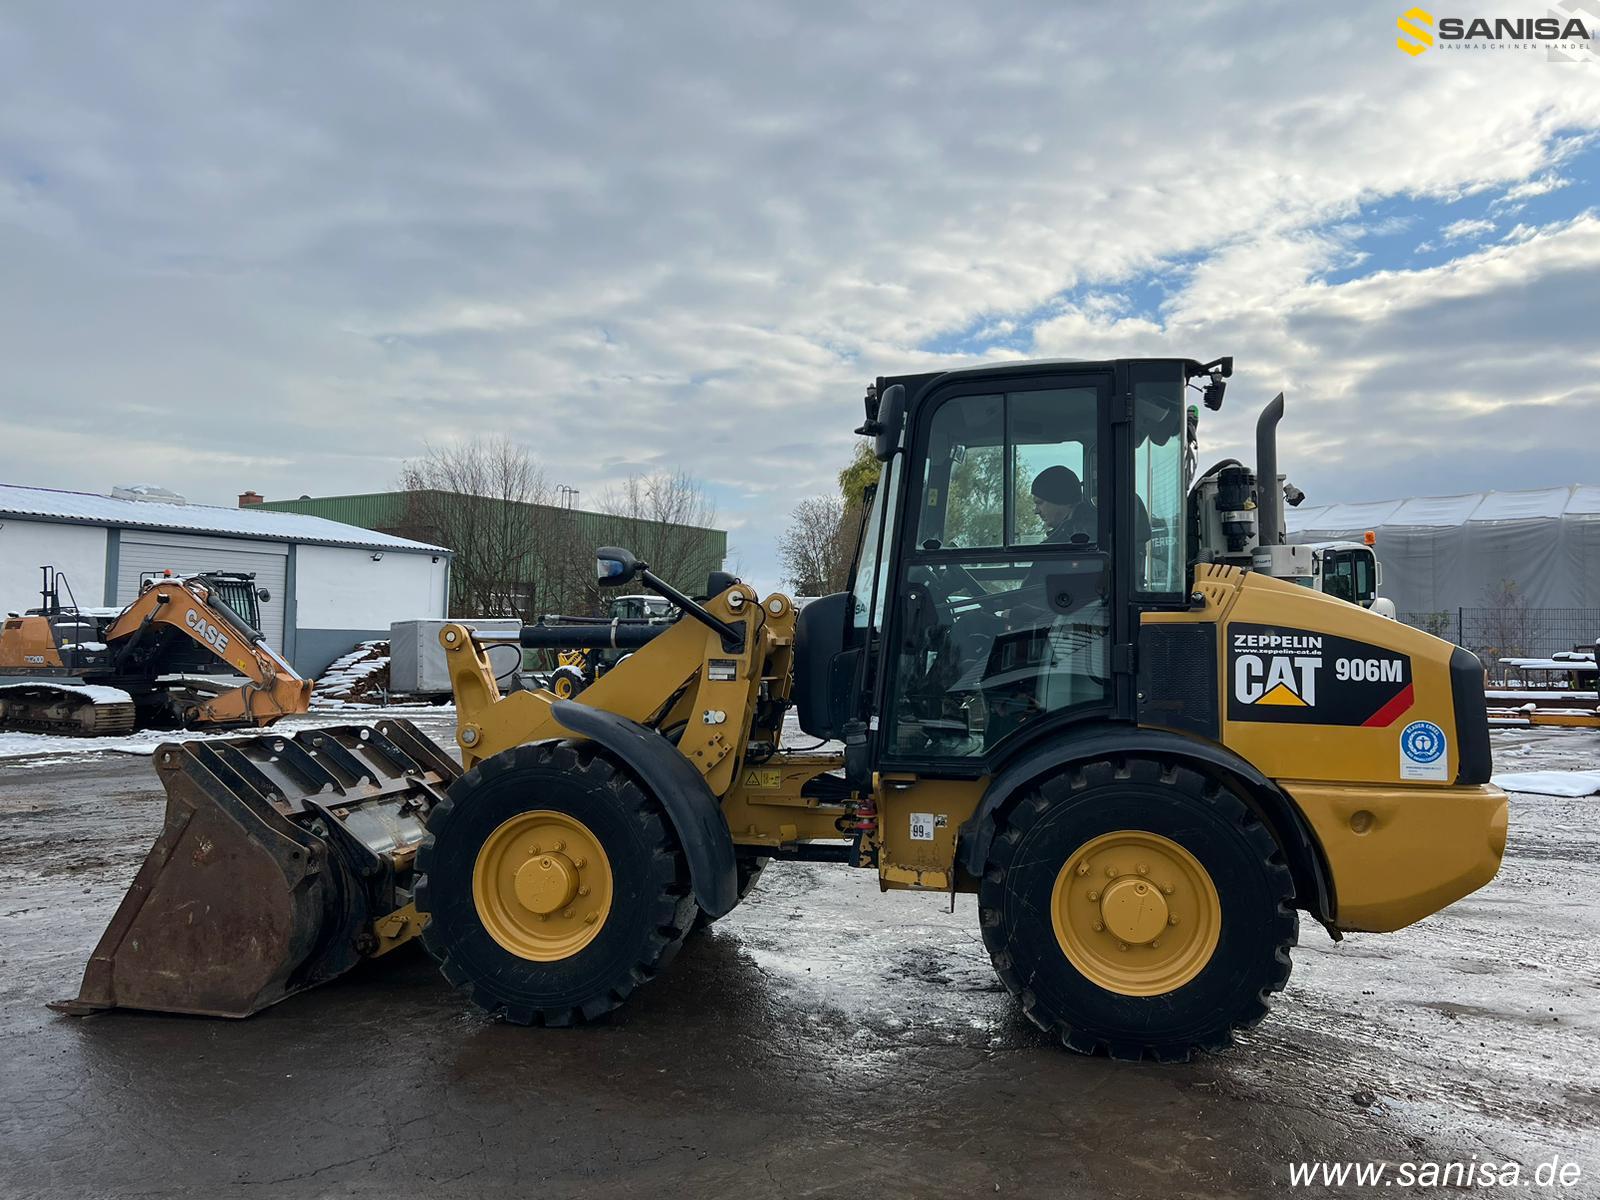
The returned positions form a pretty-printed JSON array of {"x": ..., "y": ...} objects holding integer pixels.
[{"x": 281, "y": 247}]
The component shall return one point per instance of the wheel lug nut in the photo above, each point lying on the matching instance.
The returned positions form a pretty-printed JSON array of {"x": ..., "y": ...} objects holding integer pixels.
[
  {"x": 1155, "y": 943},
  {"x": 1083, "y": 868},
  {"x": 583, "y": 891},
  {"x": 1099, "y": 926},
  {"x": 1172, "y": 920},
  {"x": 1142, "y": 869},
  {"x": 1122, "y": 945},
  {"x": 580, "y": 863},
  {"x": 534, "y": 849},
  {"x": 567, "y": 913},
  {"x": 1111, "y": 872},
  {"x": 591, "y": 918},
  {"x": 544, "y": 916},
  {"x": 560, "y": 846},
  {"x": 1166, "y": 889},
  {"x": 1094, "y": 895}
]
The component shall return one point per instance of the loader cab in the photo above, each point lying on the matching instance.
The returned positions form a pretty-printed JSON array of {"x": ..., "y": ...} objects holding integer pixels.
[
  {"x": 1348, "y": 570},
  {"x": 1025, "y": 515}
]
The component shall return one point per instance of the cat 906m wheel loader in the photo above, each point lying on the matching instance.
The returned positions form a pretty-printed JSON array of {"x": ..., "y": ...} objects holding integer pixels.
[{"x": 1144, "y": 763}]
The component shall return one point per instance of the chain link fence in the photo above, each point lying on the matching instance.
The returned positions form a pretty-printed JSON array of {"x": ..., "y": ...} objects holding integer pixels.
[{"x": 1511, "y": 631}]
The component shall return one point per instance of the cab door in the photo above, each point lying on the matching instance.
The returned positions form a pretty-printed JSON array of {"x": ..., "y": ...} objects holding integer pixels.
[{"x": 1001, "y": 612}]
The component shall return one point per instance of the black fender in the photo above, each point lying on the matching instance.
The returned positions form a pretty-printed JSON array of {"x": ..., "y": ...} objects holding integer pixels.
[
  {"x": 695, "y": 814},
  {"x": 1303, "y": 853}
]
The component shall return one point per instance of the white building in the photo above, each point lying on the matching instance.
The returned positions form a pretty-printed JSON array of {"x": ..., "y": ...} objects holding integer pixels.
[{"x": 330, "y": 585}]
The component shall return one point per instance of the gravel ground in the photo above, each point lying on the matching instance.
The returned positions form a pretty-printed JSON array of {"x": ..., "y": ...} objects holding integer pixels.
[{"x": 821, "y": 1040}]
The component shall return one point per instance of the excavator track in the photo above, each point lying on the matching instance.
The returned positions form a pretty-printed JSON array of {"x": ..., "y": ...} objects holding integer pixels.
[{"x": 67, "y": 710}]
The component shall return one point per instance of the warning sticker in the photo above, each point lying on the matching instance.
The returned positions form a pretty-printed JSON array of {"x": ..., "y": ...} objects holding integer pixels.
[
  {"x": 1423, "y": 752},
  {"x": 763, "y": 777},
  {"x": 1305, "y": 678},
  {"x": 922, "y": 827}
]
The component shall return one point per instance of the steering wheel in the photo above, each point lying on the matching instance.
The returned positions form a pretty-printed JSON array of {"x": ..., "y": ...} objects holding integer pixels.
[{"x": 951, "y": 579}]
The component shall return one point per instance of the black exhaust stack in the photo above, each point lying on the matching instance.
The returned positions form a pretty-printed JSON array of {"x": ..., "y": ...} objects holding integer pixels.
[{"x": 1269, "y": 495}]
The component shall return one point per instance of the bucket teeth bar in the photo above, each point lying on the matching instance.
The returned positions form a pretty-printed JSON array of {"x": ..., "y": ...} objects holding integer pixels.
[{"x": 277, "y": 856}]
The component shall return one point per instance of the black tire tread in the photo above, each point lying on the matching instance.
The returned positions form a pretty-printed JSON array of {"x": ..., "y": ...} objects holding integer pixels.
[
  {"x": 1026, "y": 811},
  {"x": 674, "y": 906}
]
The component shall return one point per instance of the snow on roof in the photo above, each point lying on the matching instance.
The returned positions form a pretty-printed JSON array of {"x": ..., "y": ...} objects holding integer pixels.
[
  {"x": 89, "y": 508},
  {"x": 1576, "y": 500}
]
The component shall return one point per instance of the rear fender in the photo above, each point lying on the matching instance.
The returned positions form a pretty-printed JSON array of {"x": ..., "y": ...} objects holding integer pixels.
[
  {"x": 1312, "y": 878},
  {"x": 695, "y": 814}
]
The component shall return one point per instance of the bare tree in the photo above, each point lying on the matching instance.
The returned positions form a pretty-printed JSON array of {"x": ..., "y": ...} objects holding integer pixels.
[
  {"x": 667, "y": 516},
  {"x": 1507, "y": 627},
  {"x": 816, "y": 548},
  {"x": 488, "y": 501}
]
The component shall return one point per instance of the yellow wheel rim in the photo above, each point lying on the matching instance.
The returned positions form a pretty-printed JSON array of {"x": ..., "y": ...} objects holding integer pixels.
[
  {"x": 563, "y": 687},
  {"x": 542, "y": 885},
  {"x": 1136, "y": 913}
]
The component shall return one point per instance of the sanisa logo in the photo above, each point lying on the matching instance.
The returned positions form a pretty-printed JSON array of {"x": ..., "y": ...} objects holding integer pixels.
[{"x": 1417, "y": 32}]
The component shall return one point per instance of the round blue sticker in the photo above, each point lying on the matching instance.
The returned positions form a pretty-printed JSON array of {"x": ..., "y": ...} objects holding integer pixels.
[{"x": 1422, "y": 741}]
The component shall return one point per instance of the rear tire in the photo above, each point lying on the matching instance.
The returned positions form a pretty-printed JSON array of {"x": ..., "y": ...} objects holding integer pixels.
[
  {"x": 1139, "y": 909},
  {"x": 496, "y": 927}
]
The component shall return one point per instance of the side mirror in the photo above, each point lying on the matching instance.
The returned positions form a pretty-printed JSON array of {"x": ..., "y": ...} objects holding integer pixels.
[
  {"x": 263, "y": 595},
  {"x": 891, "y": 422},
  {"x": 614, "y": 566}
]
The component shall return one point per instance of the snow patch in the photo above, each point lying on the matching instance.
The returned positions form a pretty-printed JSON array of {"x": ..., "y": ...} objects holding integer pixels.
[
  {"x": 89, "y": 691},
  {"x": 27, "y": 745}
]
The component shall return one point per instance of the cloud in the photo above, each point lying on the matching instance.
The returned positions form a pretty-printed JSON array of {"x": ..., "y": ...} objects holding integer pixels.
[
  {"x": 283, "y": 248},
  {"x": 1549, "y": 182},
  {"x": 1459, "y": 231}
]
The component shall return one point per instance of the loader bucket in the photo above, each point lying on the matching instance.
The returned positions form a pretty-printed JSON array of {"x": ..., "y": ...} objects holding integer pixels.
[{"x": 277, "y": 857}]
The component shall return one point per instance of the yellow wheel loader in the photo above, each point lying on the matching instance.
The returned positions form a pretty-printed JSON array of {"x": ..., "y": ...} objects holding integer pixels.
[
  {"x": 577, "y": 668},
  {"x": 1145, "y": 763},
  {"x": 87, "y": 672}
]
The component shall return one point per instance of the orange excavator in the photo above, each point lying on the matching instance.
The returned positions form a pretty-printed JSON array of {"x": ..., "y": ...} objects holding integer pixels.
[{"x": 89, "y": 672}]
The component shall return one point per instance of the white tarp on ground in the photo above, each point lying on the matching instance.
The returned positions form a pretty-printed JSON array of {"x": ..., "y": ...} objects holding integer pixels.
[
  {"x": 1550, "y": 783},
  {"x": 1440, "y": 553}
]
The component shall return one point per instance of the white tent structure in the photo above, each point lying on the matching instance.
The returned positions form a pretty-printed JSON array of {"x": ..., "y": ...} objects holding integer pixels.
[{"x": 1445, "y": 553}]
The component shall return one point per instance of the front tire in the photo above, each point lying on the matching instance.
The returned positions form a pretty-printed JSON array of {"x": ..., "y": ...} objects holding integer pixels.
[
  {"x": 553, "y": 884},
  {"x": 1139, "y": 909}
]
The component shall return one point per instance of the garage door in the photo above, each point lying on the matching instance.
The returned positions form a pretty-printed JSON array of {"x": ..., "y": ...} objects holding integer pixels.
[{"x": 144, "y": 553}]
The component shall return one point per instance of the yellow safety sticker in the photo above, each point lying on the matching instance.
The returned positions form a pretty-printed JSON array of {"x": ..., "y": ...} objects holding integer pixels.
[{"x": 763, "y": 777}]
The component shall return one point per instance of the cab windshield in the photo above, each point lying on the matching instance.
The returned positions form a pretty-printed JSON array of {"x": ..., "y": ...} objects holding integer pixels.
[{"x": 1349, "y": 575}]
